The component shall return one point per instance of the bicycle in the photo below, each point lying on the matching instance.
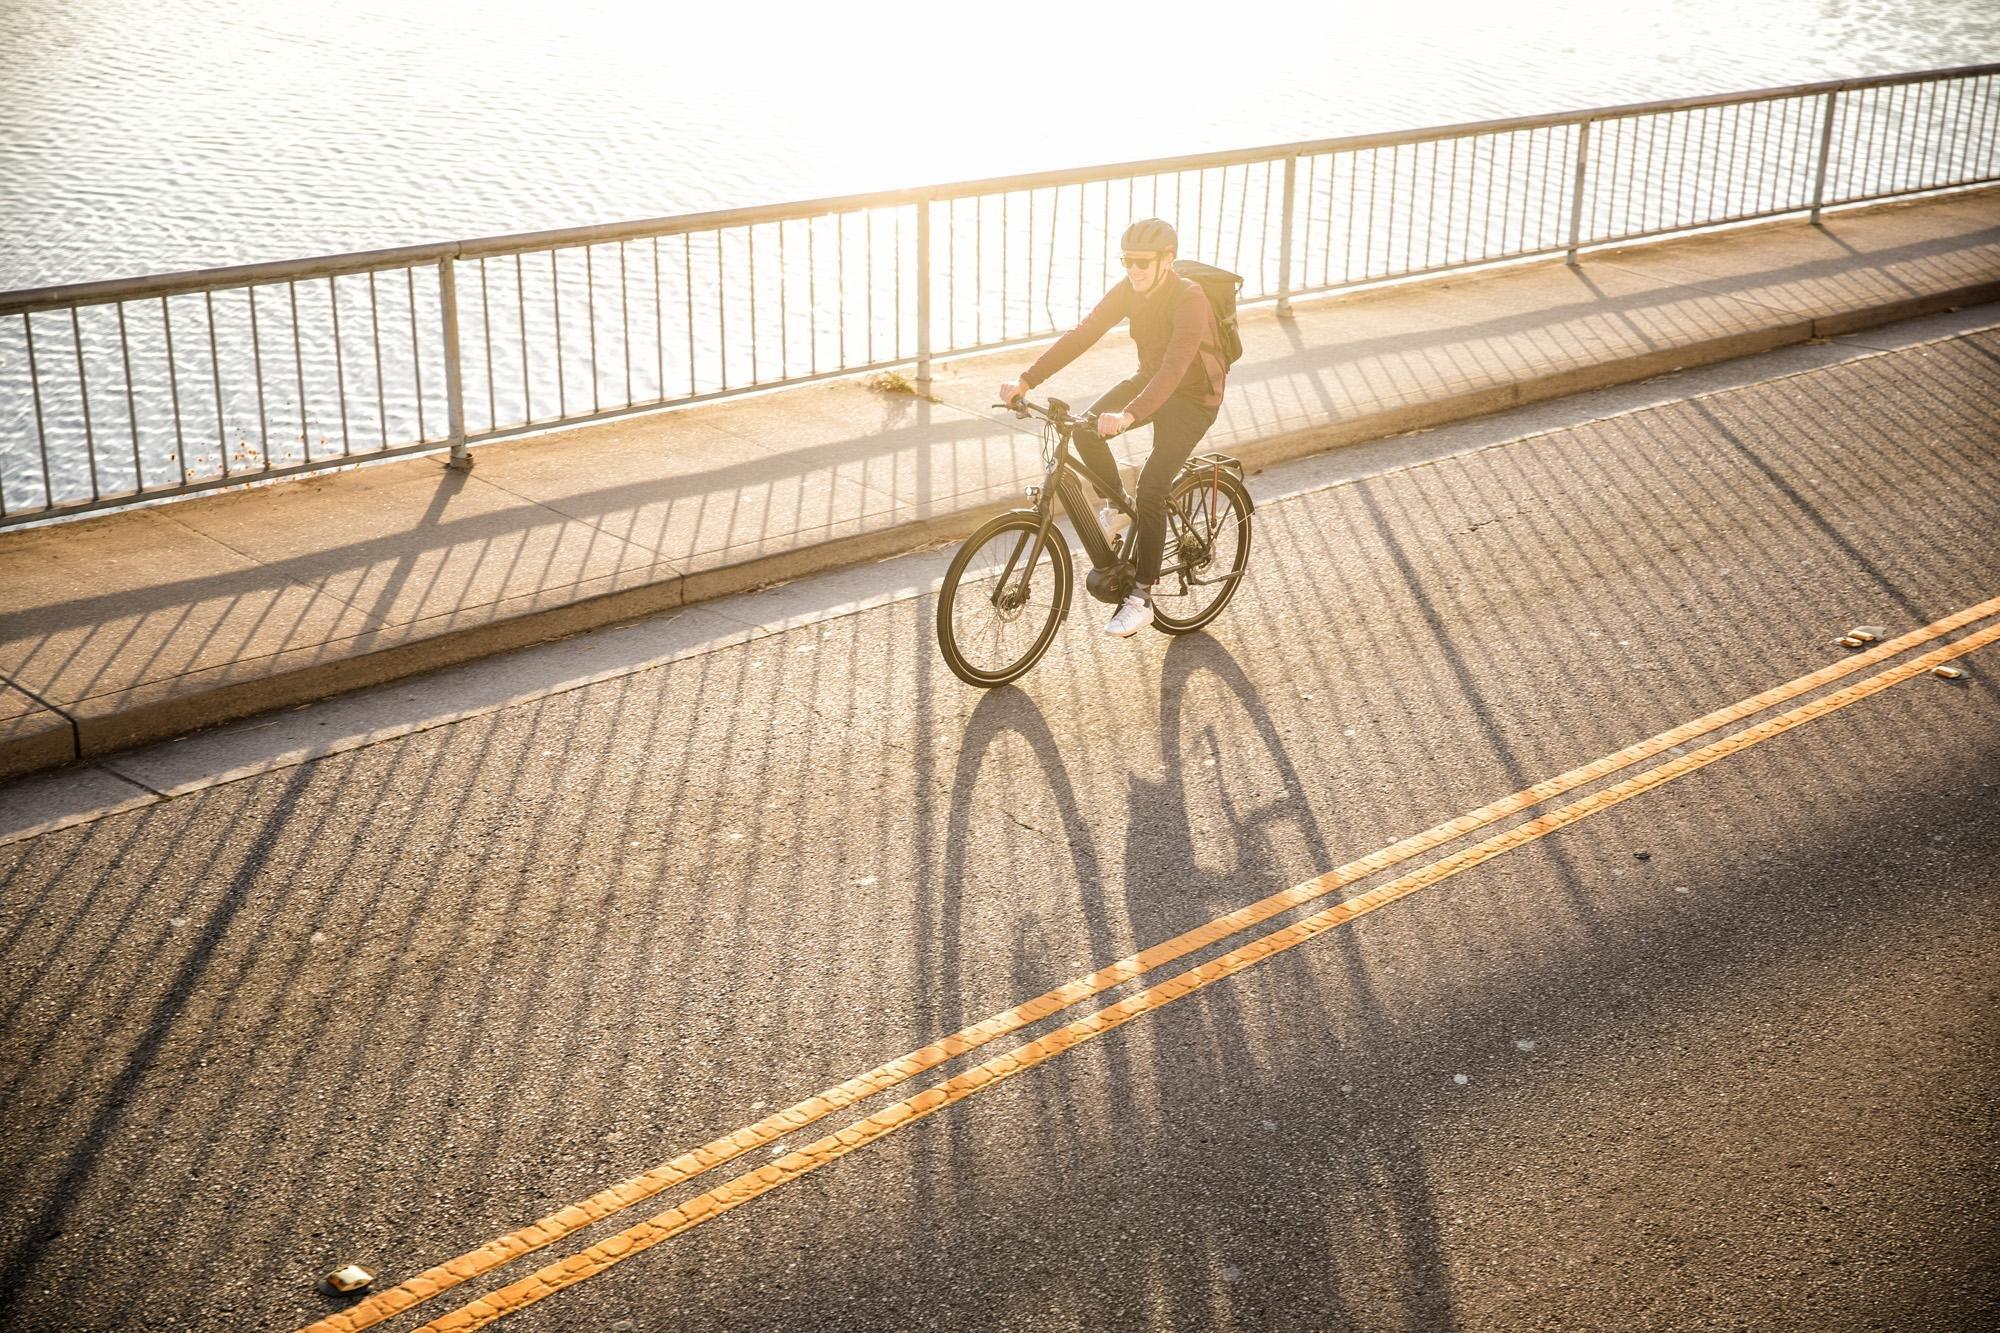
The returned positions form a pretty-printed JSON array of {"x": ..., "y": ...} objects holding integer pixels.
[{"x": 990, "y": 636}]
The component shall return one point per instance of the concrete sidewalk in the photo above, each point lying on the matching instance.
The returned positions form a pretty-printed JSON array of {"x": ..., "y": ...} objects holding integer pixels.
[{"x": 139, "y": 626}]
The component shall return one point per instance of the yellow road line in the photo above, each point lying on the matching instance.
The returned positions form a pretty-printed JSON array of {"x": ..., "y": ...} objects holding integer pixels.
[
  {"x": 821, "y": 1152},
  {"x": 636, "y": 1189}
]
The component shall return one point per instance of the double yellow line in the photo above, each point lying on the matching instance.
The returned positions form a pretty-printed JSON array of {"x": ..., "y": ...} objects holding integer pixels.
[{"x": 740, "y": 1190}]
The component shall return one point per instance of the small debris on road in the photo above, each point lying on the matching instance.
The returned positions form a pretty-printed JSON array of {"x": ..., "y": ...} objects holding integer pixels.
[
  {"x": 348, "y": 1278},
  {"x": 1642, "y": 856},
  {"x": 1460, "y": 1079},
  {"x": 1948, "y": 673},
  {"x": 1847, "y": 641},
  {"x": 1524, "y": 1044},
  {"x": 1865, "y": 633}
]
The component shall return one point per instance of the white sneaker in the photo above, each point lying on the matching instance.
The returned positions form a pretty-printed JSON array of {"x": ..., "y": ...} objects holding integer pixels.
[
  {"x": 1113, "y": 520},
  {"x": 1133, "y": 615}
]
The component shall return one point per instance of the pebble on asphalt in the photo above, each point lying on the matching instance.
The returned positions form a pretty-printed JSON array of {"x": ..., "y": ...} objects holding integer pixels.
[{"x": 349, "y": 1277}]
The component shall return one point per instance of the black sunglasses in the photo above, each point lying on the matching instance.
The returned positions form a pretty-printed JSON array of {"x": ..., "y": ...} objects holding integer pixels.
[{"x": 1138, "y": 261}]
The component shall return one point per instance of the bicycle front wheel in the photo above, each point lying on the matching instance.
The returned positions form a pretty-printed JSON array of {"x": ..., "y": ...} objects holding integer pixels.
[
  {"x": 997, "y": 613},
  {"x": 1208, "y": 546}
]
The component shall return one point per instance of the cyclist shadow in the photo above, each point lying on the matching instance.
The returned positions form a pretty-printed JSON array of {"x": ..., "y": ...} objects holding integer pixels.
[
  {"x": 980, "y": 865},
  {"x": 1221, "y": 1083}
]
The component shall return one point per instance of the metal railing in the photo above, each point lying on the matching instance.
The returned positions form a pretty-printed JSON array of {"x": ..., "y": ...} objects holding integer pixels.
[{"x": 118, "y": 392}]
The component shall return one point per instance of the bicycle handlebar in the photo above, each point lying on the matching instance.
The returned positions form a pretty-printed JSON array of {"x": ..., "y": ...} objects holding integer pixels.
[{"x": 1055, "y": 412}]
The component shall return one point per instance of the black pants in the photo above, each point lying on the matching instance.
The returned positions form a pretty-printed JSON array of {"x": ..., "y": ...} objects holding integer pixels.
[{"x": 1177, "y": 429}]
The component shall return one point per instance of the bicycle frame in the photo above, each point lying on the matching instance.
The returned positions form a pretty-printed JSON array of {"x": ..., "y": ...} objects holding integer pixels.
[{"x": 1063, "y": 481}]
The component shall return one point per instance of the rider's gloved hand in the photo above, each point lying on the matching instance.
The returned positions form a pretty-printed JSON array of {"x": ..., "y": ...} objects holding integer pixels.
[
  {"x": 1114, "y": 423},
  {"x": 1011, "y": 390}
]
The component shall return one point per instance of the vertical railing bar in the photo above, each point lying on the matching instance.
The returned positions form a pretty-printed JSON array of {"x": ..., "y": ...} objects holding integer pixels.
[
  {"x": 299, "y": 374},
  {"x": 784, "y": 308},
  {"x": 1082, "y": 208},
  {"x": 1242, "y": 214},
  {"x": 812, "y": 299},
  {"x": 1482, "y": 157},
  {"x": 562, "y": 369},
  {"x": 1353, "y": 187},
  {"x": 1676, "y": 140},
  {"x": 1943, "y": 172},
  {"x": 1028, "y": 276},
  {"x": 750, "y": 239},
  {"x": 590, "y": 319},
  {"x": 1049, "y": 272},
  {"x": 1767, "y": 159},
  {"x": 1305, "y": 230},
  {"x": 1368, "y": 244},
  {"x": 521, "y": 318},
  {"x": 868, "y": 267},
  {"x": 174, "y": 387},
  {"x": 1285, "y": 230},
  {"x": 41, "y": 422},
  {"x": 1989, "y": 116},
  {"x": 1711, "y": 144},
  {"x": 83, "y": 394},
  {"x": 1451, "y": 206},
  {"x": 339, "y": 364},
  {"x": 416, "y": 352},
  {"x": 1105, "y": 239},
  {"x": 1263, "y": 229},
  {"x": 1201, "y": 208},
  {"x": 1649, "y": 211},
  {"x": 924, "y": 293},
  {"x": 1843, "y": 134},
  {"x": 454, "y": 364},
  {"x": 1920, "y": 146},
  {"x": 896, "y": 279},
  {"x": 486, "y": 341},
  {"x": 625, "y": 318},
  {"x": 257, "y": 364},
  {"x": 1507, "y": 196},
  {"x": 687, "y": 289},
  {"x": 1576, "y": 200},
  {"x": 1866, "y": 177},
  {"x": 840, "y": 284},
  {"x": 1948, "y": 133},
  {"x": 659, "y": 325},
  {"x": 951, "y": 270},
  {"x": 722, "y": 309},
  {"x": 1735, "y": 174},
  {"x": 1006, "y": 235},
  {"x": 215, "y": 371},
  {"x": 1825, "y": 152},
  {"x": 1627, "y": 201},
  {"x": 1801, "y": 150},
  {"x": 131, "y": 402}
]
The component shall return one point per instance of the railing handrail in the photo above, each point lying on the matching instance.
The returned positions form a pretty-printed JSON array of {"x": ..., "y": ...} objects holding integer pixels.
[{"x": 105, "y": 291}]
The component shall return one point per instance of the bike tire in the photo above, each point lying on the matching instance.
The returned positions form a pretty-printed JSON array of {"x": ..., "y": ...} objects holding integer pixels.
[
  {"x": 1054, "y": 567},
  {"x": 1235, "y": 521}
]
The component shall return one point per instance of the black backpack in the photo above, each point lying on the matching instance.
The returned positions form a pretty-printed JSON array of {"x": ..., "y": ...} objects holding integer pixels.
[{"x": 1220, "y": 286}]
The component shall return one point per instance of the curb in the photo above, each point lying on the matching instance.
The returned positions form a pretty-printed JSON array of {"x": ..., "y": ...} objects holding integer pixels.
[{"x": 162, "y": 710}]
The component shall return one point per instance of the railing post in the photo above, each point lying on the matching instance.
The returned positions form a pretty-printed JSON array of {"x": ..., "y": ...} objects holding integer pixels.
[
  {"x": 1285, "y": 238},
  {"x": 924, "y": 296},
  {"x": 454, "y": 379},
  {"x": 1576, "y": 196},
  {"x": 1825, "y": 151}
]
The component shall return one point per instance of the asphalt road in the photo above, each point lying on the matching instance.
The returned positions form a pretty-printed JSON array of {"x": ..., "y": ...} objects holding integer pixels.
[{"x": 1721, "y": 1055}]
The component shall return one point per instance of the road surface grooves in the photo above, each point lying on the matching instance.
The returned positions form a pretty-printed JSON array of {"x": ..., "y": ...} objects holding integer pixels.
[
  {"x": 665, "y": 1226},
  {"x": 503, "y": 1249}
]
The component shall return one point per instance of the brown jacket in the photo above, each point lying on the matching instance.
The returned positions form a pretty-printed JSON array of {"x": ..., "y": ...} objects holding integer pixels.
[{"x": 1179, "y": 349}]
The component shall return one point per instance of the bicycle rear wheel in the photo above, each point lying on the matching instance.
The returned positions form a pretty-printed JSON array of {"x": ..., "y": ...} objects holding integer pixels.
[
  {"x": 1208, "y": 546},
  {"x": 996, "y": 616}
]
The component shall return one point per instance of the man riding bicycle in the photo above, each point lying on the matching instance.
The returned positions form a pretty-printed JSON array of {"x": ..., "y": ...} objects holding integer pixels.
[{"x": 1182, "y": 371}]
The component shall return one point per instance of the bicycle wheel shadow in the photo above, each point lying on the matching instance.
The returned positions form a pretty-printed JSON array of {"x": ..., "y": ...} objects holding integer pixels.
[
  {"x": 976, "y": 865},
  {"x": 1197, "y": 852}
]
